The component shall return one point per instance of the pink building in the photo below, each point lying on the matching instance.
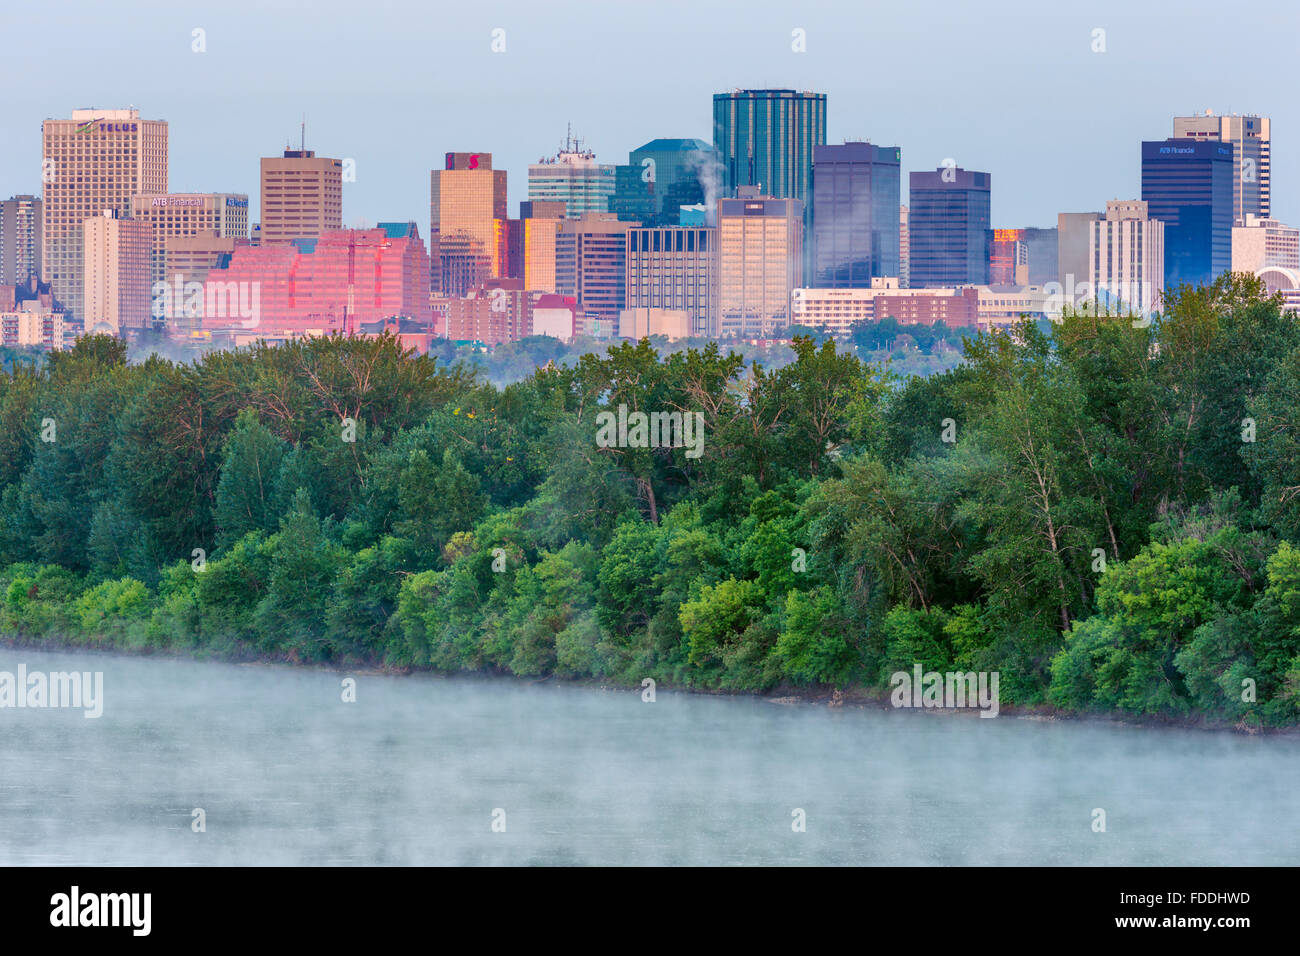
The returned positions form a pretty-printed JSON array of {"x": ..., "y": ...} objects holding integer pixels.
[{"x": 336, "y": 283}]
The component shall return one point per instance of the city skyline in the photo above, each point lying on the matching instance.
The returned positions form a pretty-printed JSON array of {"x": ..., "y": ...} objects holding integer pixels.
[{"x": 516, "y": 106}]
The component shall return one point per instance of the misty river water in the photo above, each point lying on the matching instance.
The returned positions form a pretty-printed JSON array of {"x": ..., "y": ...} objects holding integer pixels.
[{"x": 418, "y": 768}]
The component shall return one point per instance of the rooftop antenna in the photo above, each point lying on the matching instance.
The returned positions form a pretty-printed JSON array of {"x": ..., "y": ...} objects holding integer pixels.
[{"x": 303, "y": 145}]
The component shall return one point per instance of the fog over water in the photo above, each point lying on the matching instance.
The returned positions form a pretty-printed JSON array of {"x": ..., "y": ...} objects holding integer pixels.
[{"x": 412, "y": 771}]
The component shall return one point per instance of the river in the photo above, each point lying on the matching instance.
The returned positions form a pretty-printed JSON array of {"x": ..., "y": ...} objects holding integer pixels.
[{"x": 427, "y": 769}]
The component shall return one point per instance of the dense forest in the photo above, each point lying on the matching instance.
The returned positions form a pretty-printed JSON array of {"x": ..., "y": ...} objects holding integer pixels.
[{"x": 1104, "y": 512}]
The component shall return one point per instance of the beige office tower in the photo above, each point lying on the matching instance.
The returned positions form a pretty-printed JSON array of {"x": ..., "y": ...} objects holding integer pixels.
[
  {"x": 302, "y": 196},
  {"x": 904, "y": 250},
  {"x": 760, "y": 249},
  {"x": 94, "y": 161},
  {"x": 116, "y": 273},
  {"x": 1264, "y": 244},
  {"x": 467, "y": 211},
  {"x": 176, "y": 216},
  {"x": 1126, "y": 252},
  {"x": 1251, "y": 156},
  {"x": 541, "y": 224}
]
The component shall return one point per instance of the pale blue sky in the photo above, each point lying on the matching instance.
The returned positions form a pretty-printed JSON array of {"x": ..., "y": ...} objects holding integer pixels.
[{"x": 1011, "y": 87}]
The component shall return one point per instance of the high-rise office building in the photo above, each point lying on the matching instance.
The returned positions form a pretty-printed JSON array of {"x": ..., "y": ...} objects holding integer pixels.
[
  {"x": 664, "y": 175},
  {"x": 1073, "y": 264},
  {"x": 1041, "y": 245},
  {"x": 904, "y": 249},
  {"x": 572, "y": 176},
  {"x": 760, "y": 260},
  {"x": 675, "y": 267},
  {"x": 1251, "y": 156},
  {"x": 540, "y": 223},
  {"x": 855, "y": 214},
  {"x": 186, "y": 215},
  {"x": 1008, "y": 258},
  {"x": 116, "y": 274},
  {"x": 948, "y": 212},
  {"x": 20, "y": 239},
  {"x": 765, "y": 139},
  {"x": 1189, "y": 186},
  {"x": 1126, "y": 252},
  {"x": 467, "y": 222},
  {"x": 302, "y": 196},
  {"x": 1264, "y": 243},
  {"x": 96, "y": 160},
  {"x": 591, "y": 264}
]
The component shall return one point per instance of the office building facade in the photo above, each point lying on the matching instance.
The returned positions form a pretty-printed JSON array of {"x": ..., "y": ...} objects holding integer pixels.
[
  {"x": 467, "y": 222},
  {"x": 94, "y": 161},
  {"x": 674, "y": 268},
  {"x": 1126, "y": 252},
  {"x": 20, "y": 239},
  {"x": 760, "y": 260},
  {"x": 661, "y": 177},
  {"x": 1264, "y": 243},
  {"x": 948, "y": 212},
  {"x": 116, "y": 274},
  {"x": 855, "y": 200},
  {"x": 591, "y": 264},
  {"x": 1189, "y": 186},
  {"x": 175, "y": 216},
  {"x": 1250, "y": 137},
  {"x": 572, "y": 176},
  {"x": 301, "y": 196}
]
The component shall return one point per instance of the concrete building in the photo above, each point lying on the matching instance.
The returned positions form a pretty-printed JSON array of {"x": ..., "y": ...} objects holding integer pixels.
[
  {"x": 96, "y": 160},
  {"x": 760, "y": 260},
  {"x": 540, "y": 223},
  {"x": 29, "y": 324},
  {"x": 1126, "y": 256},
  {"x": 1042, "y": 248},
  {"x": 1074, "y": 234},
  {"x": 1262, "y": 243},
  {"x": 950, "y": 230},
  {"x": 1008, "y": 257},
  {"x": 20, "y": 239},
  {"x": 1251, "y": 156},
  {"x": 640, "y": 323},
  {"x": 186, "y": 215},
  {"x": 674, "y": 268},
  {"x": 572, "y": 176},
  {"x": 855, "y": 203},
  {"x": 302, "y": 196},
  {"x": 117, "y": 275},
  {"x": 1279, "y": 280},
  {"x": 1189, "y": 186},
  {"x": 591, "y": 264},
  {"x": 467, "y": 222}
]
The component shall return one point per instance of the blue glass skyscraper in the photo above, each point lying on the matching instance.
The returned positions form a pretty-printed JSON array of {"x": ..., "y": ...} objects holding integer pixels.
[
  {"x": 948, "y": 212},
  {"x": 855, "y": 214},
  {"x": 1189, "y": 185}
]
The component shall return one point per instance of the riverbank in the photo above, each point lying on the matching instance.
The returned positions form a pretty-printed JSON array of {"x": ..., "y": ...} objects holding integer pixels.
[{"x": 854, "y": 696}]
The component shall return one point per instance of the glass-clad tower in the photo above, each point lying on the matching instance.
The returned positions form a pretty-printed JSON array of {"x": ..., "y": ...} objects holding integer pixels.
[{"x": 855, "y": 214}]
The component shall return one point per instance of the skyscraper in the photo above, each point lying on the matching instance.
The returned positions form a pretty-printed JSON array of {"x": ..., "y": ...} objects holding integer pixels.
[
  {"x": 674, "y": 267},
  {"x": 302, "y": 196},
  {"x": 1126, "y": 252},
  {"x": 591, "y": 264},
  {"x": 855, "y": 214},
  {"x": 93, "y": 162},
  {"x": 948, "y": 211},
  {"x": 572, "y": 176},
  {"x": 1189, "y": 185},
  {"x": 760, "y": 260},
  {"x": 664, "y": 175},
  {"x": 1251, "y": 158},
  {"x": 540, "y": 224},
  {"x": 904, "y": 249},
  {"x": 116, "y": 295},
  {"x": 20, "y": 239},
  {"x": 765, "y": 138},
  {"x": 467, "y": 216}
]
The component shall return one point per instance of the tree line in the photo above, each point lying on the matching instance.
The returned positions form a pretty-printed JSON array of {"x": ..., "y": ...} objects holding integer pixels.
[{"x": 1106, "y": 512}]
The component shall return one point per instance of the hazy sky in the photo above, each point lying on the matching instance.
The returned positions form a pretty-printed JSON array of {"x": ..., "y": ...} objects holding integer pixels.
[{"x": 1011, "y": 87}]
